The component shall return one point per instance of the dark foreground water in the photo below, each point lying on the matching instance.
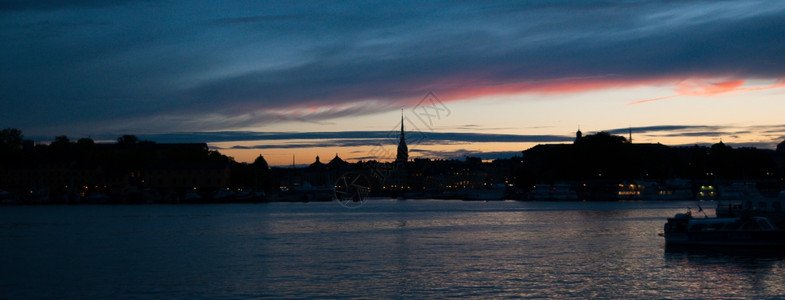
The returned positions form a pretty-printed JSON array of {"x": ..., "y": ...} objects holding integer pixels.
[{"x": 384, "y": 249}]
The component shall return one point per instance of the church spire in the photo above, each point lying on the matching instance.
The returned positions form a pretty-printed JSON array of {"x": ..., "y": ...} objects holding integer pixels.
[
  {"x": 401, "y": 124},
  {"x": 403, "y": 150}
]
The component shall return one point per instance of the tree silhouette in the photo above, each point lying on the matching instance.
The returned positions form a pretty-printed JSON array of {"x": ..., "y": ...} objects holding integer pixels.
[
  {"x": 87, "y": 142},
  {"x": 127, "y": 139},
  {"x": 10, "y": 139},
  {"x": 61, "y": 140},
  {"x": 261, "y": 172},
  {"x": 260, "y": 163}
]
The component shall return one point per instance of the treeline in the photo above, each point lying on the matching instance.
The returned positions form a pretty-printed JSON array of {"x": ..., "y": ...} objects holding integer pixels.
[{"x": 121, "y": 165}]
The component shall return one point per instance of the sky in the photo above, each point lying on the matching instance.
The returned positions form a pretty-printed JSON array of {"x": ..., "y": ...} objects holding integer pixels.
[{"x": 291, "y": 80}]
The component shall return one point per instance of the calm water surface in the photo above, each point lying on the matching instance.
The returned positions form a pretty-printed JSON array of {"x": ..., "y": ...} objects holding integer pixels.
[{"x": 384, "y": 249}]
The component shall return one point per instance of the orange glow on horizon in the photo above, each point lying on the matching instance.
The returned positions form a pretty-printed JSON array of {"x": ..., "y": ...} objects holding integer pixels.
[{"x": 282, "y": 157}]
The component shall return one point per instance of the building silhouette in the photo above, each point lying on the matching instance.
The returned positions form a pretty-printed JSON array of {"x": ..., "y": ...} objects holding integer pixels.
[{"x": 578, "y": 136}]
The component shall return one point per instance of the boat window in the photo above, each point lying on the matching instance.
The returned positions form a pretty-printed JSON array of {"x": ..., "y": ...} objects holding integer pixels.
[
  {"x": 715, "y": 226},
  {"x": 697, "y": 227},
  {"x": 764, "y": 224},
  {"x": 733, "y": 226},
  {"x": 751, "y": 225}
]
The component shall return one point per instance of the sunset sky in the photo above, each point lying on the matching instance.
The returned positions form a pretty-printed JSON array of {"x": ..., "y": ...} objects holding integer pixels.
[{"x": 288, "y": 79}]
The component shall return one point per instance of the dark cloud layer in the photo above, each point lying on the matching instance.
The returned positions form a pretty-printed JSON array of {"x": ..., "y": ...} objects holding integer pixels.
[
  {"x": 347, "y": 138},
  {"x": 167, "y": 66},
  {"x": 372, "y": 138},
  {"x": 48, "y": 5}
]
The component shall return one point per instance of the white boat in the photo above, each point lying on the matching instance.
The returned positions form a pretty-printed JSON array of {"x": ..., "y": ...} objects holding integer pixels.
[
  {"x": 755, "y": 205},
  {"x": 8, "y": 198},
  {"x": 191, "y": 196},
  {"x": 558, "y": 192},
  {"x": 685, "y": 230},
  {"x": 225, "y": 194}
]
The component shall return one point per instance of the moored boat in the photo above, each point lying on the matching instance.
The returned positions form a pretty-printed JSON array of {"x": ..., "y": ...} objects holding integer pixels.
[
  {"x": 684, "y": 229},
  {"x": 759, "y": 206},
  {"x": 558, "y": 192}
]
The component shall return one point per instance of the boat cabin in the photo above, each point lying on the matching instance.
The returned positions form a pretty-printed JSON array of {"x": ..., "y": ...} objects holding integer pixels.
[{"x": 729, "y": 224}]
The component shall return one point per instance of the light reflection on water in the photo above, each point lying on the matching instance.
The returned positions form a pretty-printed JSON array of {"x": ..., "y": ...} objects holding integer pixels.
[{"x": 387, "y": 249}]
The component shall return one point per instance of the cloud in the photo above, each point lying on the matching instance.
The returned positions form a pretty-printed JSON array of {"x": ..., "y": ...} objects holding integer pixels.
[
  {"x": 687, "y": 130},
  {"x": 46, "y": 5},
  {"x": 767, "y": 136},
  {"x": 462, "y": 153},
  {"x": 342, "y": 138},
  {"x": 706, "y": 88},
  {"x": 373, "y": 138},
  {"x": 331, "y": 143},
  {"x": 664, "y": 128},
  {"x": 354, "y": 139},
  {"x": 191, "y": 65}
]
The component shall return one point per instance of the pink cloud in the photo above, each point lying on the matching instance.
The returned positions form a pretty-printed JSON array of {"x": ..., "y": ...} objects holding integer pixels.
[
  {"x": 699, "y": 88},
  {"x": 464, "y": 88},
  {"x": 468, "y": 89},
  {"x": 705, "y": 88}
]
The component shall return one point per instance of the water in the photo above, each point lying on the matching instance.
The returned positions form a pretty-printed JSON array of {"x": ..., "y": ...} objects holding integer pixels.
[{"x": 384, "y": 249}]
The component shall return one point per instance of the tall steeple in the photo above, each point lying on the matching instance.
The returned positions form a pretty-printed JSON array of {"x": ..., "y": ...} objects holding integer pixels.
[{"x": 403, "y": 150}]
